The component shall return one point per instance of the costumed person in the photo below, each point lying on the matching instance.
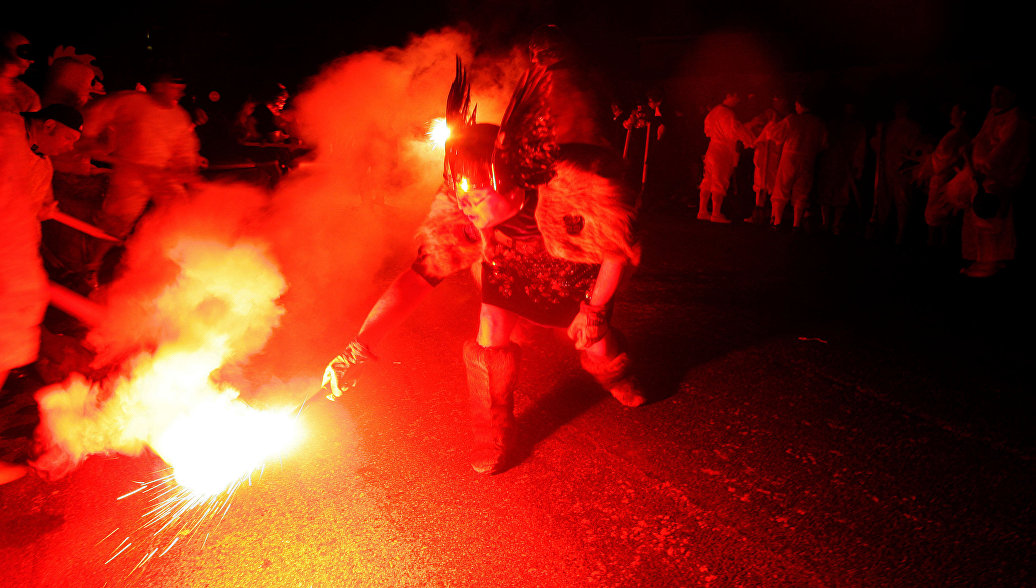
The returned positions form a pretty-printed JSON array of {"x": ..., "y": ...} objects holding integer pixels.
[
  {"x": 945, "y": 162},
  {"x": 802, "y": 136},
  {"x": 840, "y": 167},
  {"x": 15, "y": 58},
  {"x": 1000, "y": 159},
  {"x": 727, "y": 136},
  {"x": 550, "y": 228},
  {"x": 766, "y": 156},
  {"x": 26, "y": 143},
  {"x": 150, "y": 143}
]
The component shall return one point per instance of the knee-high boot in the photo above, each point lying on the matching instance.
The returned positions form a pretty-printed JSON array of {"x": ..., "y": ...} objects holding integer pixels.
[
  {"x": 615, "y": 374},
  {"x": 492, "y": 376}
]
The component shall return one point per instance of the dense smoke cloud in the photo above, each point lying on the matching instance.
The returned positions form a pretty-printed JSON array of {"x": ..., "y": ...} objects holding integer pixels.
[
  {"x": 305, "y": 261},
  {"x": 348, "y": 218}
]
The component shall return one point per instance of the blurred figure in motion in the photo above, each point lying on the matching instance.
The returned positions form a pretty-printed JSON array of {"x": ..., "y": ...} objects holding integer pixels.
[
  {"x": 15, "y": 58},
  {"x": 26, "y": 144},
  {"x": 148, "y": 139}
]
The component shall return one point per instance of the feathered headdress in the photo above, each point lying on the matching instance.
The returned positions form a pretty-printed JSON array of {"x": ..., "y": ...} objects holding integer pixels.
[
  {"x": 526, "y": 146},
  {"x": 518, "y": 153},
  {"x": 469, "y": 148}
]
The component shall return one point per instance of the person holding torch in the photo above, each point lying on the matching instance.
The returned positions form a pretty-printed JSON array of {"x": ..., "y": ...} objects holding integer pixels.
[{"x": 549, "y": 225}]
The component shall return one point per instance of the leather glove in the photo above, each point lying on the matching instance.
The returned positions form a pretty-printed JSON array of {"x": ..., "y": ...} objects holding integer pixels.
[
  {"x": 341, "y": 374},
  {"x": 589, "y": 326}
]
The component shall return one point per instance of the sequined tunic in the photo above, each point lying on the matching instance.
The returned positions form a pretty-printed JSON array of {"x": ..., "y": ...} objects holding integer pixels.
[{"x": 519, "y": 275}]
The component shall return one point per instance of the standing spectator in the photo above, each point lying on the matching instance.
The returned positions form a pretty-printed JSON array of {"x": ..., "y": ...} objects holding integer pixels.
[
  {"x": 945, "y": 162},
  {"x": 803, "y": 136},
  {"x": 617, "y": 131},
  {"x": 636, "y": 142},
  {"x": 661, "y": 174},
  {"x": 896, "y": 143},
  {"x": 1000, "y": 157},
  {"x": 840, "y": 167},
  {"x": 766, "y": 157},
  {"x": 727, "y": 136},
  {"x": 15, "y": 58}
]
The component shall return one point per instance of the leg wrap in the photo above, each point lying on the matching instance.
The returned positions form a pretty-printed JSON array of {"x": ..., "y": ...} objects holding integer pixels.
[
  {"x": 492, "y": 376},
  {"x": 615, "y": 374}
]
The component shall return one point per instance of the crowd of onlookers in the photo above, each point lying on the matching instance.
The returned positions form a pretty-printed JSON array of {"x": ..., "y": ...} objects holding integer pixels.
[
  {"x": 96, "y": 161},
  {"x": 814, "y": 166}
]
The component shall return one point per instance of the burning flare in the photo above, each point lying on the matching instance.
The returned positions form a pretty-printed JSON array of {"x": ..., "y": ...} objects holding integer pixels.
[
  {"x": 220, "y": 306},
  {"x": 438, "y": 133}
]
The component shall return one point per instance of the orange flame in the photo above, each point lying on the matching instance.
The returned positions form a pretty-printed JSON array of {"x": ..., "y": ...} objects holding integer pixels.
[{"x": 220, "y": 306}]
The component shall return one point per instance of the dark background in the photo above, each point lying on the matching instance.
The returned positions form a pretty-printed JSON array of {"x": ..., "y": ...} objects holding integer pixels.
[{"x": 289, "y": 41}]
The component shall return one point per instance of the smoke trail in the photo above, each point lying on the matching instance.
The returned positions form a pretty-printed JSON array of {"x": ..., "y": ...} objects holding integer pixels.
[
  {"x": 348, "y": 218},
  {"x": 235, "y": 288}
]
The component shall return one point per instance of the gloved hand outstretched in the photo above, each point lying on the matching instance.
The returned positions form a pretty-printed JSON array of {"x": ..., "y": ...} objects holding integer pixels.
[{"x": 343, "y": 371}]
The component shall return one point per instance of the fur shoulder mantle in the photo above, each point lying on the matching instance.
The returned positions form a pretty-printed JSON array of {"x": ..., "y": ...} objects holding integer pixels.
[{"x": 585, "y": 217}]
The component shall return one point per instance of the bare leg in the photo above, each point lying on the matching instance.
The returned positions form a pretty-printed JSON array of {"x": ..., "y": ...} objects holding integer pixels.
[
  {"x": 703, "y": 205},
  {"x": 717, "y": 206}
]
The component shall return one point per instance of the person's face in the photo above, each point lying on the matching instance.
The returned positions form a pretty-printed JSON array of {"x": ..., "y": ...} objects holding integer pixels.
[
  {"x": 18, "y": 46},
  {"x": 56, "y": 138},
  {"x": 653, "y": 103},
  {"x": 732, "y": 100},
  {"x": 487, "y": 208}
]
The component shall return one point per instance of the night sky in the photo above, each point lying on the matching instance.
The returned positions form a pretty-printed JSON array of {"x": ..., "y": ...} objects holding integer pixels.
[{"x": 243, "y": 47}]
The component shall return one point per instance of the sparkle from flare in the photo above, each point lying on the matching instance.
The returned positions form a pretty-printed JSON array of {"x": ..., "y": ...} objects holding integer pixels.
[
  {"x": 168, "y": 396},
  {"x": 222, "y": 441},
  {"x": 438, "y": 133}
]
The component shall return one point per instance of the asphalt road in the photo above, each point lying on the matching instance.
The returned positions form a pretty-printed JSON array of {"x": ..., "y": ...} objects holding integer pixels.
[{"x": 825, "y": 413}]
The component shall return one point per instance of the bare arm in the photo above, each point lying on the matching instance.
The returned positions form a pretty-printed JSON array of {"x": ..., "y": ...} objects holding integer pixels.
[
  {"x": 395, "y": 304},
  {"x": 608, "y": 279},
  {"x": 591, "y": 324}
]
